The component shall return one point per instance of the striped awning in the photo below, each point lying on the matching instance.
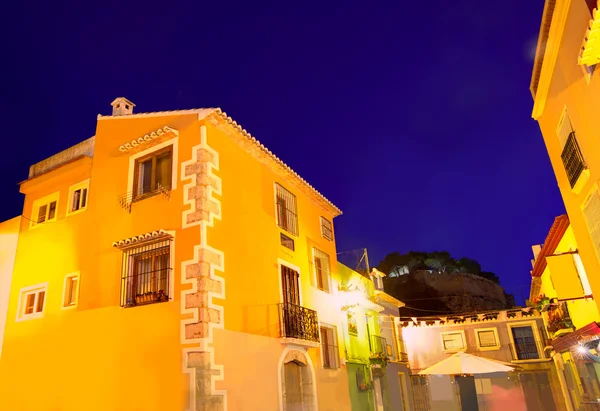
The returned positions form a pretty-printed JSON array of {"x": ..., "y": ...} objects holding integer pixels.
[
  {"x": 581, "y": 335},
  {"x": 590, "y": 50}
]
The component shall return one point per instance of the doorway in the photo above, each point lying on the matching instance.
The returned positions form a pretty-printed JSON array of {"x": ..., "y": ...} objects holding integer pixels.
[{"x": 378, "y": 388}]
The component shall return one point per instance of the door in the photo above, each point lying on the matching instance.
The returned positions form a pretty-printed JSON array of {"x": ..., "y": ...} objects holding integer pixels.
[
  {"x": 403, "y": 392},
  {"x": 291, "y": 310},
  {"x": 293, "y": 386},
  {"x": 468, "y": 393},
  {"x": 377, "y": 387}
]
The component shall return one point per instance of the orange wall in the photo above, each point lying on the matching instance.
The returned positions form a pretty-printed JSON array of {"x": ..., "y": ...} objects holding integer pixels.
[
  {"x": 109, "y": 357},
  {"x": 569, "y": 88},
  {"x": 9, "y": 234}
]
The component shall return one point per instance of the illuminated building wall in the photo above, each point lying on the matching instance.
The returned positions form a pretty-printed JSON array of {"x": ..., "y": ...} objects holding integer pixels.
[
  {"x": 165, "y": 290},
  {"x": 565, "y": 86},
  {"x": 9, "y": 234}
]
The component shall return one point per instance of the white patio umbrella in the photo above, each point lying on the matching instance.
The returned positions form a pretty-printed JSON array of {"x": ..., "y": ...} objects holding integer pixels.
[{"x": 463, "y": 363}]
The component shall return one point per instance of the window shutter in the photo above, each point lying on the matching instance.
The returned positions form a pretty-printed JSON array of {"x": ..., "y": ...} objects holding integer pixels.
[
  {"x": 52, "y": 210},
  {"x": 487, "y": 338},
  {"x": 591, "y": 213},
  {"x": 42, "y": 213},
  {"x": 564, "y": 129}
]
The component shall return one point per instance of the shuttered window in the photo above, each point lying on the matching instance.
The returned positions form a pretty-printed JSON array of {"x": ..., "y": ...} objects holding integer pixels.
[
  {"x": 329, "y": 349},
  {"x": 322, "y": 270},
  {"x": 564, "y": 129},
  {"x": 326, "y": 229},
  {"x": 591, "y": 213},
  {"x": 486, "y": 338},
  {"x": 453, "y": 341},
  {"x": 287, "y": 211}
]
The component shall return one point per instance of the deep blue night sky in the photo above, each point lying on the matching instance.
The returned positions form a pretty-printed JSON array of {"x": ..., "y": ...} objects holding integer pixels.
[{"x": 413, "y": 117}]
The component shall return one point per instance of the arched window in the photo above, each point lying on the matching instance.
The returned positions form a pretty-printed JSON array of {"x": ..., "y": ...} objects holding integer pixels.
[{"x": 297, "y": 386}]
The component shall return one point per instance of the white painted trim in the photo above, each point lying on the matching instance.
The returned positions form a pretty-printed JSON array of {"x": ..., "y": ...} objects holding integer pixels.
[
  {"x": 40, "y": 202},
  {"x": 281, "y": 262},
  {"x": 465, "y": 345},
  {"x": 64, "y": 294},
  {"x": 479, "y": 347},
  {"x": 309, "y": 363},
  {"x": 23, "y": 294},
  {"x": 174, "y": 142},
  {"x": 585, "y": 282},
  {"x": 287, "y": 232},
  {"x": 204, "y": 344},
  {"x": 83, "y": 184}
]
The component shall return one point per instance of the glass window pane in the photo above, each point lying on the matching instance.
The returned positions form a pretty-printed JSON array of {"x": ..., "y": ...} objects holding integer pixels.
[
  {"x": 145, "y": 177},
  {"x": 52, "y": 210},
  {"x": 84, "y": 197},
  {"x": 73, "y": 290},
  {"x": 76, "y": 198},
  {"x": 40, "y": 301},
  {"x": 29, "y": 304},
  {"x": 42, "y": 214},
  {"x": 163, "y": 171}
]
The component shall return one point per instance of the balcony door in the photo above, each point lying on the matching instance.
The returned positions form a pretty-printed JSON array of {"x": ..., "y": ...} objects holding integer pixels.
[{"x": 291, "y": 286}]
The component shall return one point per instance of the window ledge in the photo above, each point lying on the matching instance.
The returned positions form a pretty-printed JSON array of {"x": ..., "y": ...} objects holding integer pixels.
[
  {"x": 496, "y": 348},
  {"x": 531, "y": 361},
  {"x": 298, "y": 341},
  {"x": 81, "y": 210},
  {"x": 30, "y": 317},
  {"x": 581, "y": 181}
]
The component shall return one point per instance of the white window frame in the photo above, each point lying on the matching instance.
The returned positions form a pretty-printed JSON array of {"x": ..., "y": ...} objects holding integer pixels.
[
  {"x": 333, "y": 329},
  {"x": 321, "y": 219},
  {"x": 453, "y": 350},
  {"x": 40, "y": 202},
  {"x": 491, "y": 348},
  {"x": 327, "y": 282},
  {"x": 564, "y": 116},
  {"x": 23, "y": 294},
  {"x": 79, "y": 186},
  {"x": 65, "y": 296},
  {"x": 174, "y": 162},
  {"x": 536, "y": 336},
  {"x": 596, "y": 244},
  {"x": 280, "y": 263},
  {"x": 588, "y": 72}
]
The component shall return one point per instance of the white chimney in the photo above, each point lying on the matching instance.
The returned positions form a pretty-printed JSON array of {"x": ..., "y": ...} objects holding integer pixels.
[{"x": 122, "y": 107}]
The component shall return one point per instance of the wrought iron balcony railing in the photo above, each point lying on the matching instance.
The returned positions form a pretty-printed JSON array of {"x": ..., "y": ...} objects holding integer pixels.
[
  {"x": 298, "y": 322},
  {"x": 527, "y": 349},
  {"x": 573, "y": 159},
  {"x": 378, "y": 345}
]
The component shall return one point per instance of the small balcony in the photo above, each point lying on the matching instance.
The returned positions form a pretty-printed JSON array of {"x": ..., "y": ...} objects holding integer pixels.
[
  {"x": 299, "y": 323},
  {"x": 559, "y": 320},
  {"x": 378, "y": 347},
  {"x": 573, "y": 159},
  {"x": 527, "y": 349}
]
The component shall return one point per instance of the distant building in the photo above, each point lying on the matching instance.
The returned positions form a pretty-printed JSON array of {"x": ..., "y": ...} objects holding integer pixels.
[{"x": 516, "y": 337}]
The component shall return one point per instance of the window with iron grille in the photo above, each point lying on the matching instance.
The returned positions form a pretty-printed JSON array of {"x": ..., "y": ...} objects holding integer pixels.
[
  {"x": 322, "y": 269},
  {"x": 287, "y": 212},
  {"x": 146, "y": 274},
  {"x": 153, "y": 173},
  {"x": 329, "y": 349},
  {"x": 571, "y": 155},
  {"x": 326, "y": 229}
]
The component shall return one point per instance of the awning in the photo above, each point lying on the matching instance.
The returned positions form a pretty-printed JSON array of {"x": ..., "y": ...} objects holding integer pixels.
[
  {"x": 584, "y": 333},
  {"x": 463, "y": 363},
  {"x": 590, "y": 50}
]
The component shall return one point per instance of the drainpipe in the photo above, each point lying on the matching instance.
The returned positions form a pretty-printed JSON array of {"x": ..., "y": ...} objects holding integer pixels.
[{"x": 560, "y": 366}]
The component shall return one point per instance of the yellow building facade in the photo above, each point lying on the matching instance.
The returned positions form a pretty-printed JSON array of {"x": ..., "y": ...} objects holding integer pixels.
[
  {"x": 565, "y": 86},
  {"x": 172, "y": 262},
  {"x": 561, "y": 290}
]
